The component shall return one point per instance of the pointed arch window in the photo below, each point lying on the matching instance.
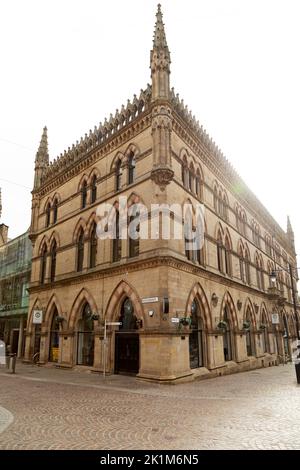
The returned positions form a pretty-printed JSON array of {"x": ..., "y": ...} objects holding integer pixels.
[
  {"x": 43, "y": 264},
  {"x": 131, "y": 168},
  {"x": 118, "y": 174},
  {"x": 94, "y": 189},
  {"x": 53, "y": 261},
  {"x": 85, "y": 337},
  {"x": 227, "y": 337},
  {"x": 198, "y": 185},
  {"x": 265, "y": 339},
  {"x": 227, "y": 257},
  {"x": 93, "y": 246},
  {"x": 117, "y": 242},
  {"x": 54, "y": 338},
  {"x": 247, "y": 267},
  {"x": 80, "y": 250},
  {"x": 134, "y": 239},
  {"x": 249, "y": 335},
  {"x": 55, "y": 210},
  {"x": 241, "y": 261},
  {"x": 83, "y": 194},
  {"x": 220, "y": 252},
  {"x": 48, "y": 214},
  {"x": 196, "y": 338}
]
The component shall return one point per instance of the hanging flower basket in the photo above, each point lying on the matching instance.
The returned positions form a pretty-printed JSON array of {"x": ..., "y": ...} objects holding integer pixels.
[
  {"x": 185, "y": 321},
  {"x": 246, "y": 325},
  {"x": 263, "y": 326}
]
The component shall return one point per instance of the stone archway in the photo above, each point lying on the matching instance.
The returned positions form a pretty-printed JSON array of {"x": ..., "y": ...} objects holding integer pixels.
[
  {"x": 125, "y": 306},
  {"x": 199, "y": 312},
  {"x": 229, "y": 317}
]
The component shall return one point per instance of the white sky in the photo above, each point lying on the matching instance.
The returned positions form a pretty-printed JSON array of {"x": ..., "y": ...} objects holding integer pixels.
[{"x": 68, "y": 64}]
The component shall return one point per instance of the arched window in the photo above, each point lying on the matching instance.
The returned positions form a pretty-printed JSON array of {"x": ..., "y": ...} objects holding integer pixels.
[
  {"x": 247, "y": 267},
  {"x": 118, "y": 175},
  {"x": 48, "y": 214},
  {"x": 55, "y": 209},
  {"x": 188, "y": 234},
  {"x": 127, "y": 317},
  {"x": 53, "y": 261},
  {"x": 264, "y": 336},
  {"x": 131, "y": 168},
  {"x": 220, "y": 252},
  {"x": 216, "y": 199},
  {"x": 80, "y": 250},
  {"x": 85, "y": 337},
  {"x": 196, "y": 338},
  {"x": 227, "y": 339},
  {"x": 198, "y": 185},
  {"x": 117, "y": 242},
  {"x": 241, "y": 261},
  {"x": 83, "y": 194},
  {"x": 94, "y": 189},
  {"x": 244, "y": 224},
  {"x": 43, "y": 264},
  {"x": 249, "y": 335},
  {"x": 93, "y": 246},
  {"x": 227, "y": 256},
  {"x": 191, "y": 178},
  {"x": 225, "y": 208},
  {"x": 134, "y": 239},
  {"x": 54, "y": 338}
]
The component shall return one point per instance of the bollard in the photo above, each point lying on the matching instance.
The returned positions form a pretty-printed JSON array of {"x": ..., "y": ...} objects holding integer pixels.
[{"x": 12, "y": 363}]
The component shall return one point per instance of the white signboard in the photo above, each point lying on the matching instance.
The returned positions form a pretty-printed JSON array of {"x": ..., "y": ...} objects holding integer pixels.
[
  {"x": 149, "y": 300},
  {"x": 37, "y": 317},
  {"x": 275, "y": 318},
  {"x": 175, "y": 320},
  {"x": 115, "y": 323}
]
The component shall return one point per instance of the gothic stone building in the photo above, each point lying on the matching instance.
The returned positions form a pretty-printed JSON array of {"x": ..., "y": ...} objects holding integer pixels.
[{"x": 153, "y": 150}]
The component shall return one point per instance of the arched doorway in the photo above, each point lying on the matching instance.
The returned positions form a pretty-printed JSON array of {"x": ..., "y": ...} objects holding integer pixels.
[
  {"x": 196, "y": 345},
  {"x": 127, "y": 347},
  {"x": 227, "y": 337},
  {"x": 54, "y": 338},
  {"x": 85, "y": 337}
]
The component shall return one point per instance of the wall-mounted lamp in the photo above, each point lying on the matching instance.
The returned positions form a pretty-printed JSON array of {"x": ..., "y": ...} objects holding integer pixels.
[
  {"x": 60, "y": 319},
  {"x": 214, "y": 299}
]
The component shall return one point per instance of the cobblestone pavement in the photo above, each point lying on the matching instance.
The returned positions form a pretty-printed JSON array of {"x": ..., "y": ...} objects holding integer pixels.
[{"x": 59, "y": 409}]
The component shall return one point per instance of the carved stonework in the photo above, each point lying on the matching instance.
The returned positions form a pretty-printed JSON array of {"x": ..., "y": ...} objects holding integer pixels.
[{"x": 162, "y": 177}]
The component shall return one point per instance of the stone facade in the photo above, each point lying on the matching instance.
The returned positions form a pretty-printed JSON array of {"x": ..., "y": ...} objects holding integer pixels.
[{"x": 154, "y": 151}]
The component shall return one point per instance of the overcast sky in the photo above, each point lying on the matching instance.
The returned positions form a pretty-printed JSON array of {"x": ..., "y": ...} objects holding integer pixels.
[{"x": 69, "y": 64}]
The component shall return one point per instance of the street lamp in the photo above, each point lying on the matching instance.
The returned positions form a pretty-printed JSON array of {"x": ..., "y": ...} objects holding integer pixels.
[{"x": 273, "y": 280}]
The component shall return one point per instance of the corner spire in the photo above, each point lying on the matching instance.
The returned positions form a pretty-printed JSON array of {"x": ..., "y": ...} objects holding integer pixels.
[
  {"x": 42, "y": 153},
  {"x": 41, "y": 159},
  {"x": 160, "y": 60},
  {"x": 290, "y": 234},
  {"x": 159, "y": 40}
]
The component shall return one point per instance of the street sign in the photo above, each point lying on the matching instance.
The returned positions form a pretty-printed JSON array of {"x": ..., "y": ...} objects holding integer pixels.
[
  {"x": 175, "y": 320},
  {"x": 115, "y": 323},
  {"x": 37, "y": 317},
  {"x": 149, "y": 300},
  {"x": 275, "y": 318}
]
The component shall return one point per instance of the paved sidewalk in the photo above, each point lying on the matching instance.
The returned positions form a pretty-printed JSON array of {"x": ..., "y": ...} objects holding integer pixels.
[{"x": 66, "y": 409}]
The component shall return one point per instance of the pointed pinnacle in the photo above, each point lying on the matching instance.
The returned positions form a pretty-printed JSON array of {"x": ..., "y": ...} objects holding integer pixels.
[
  {"x": 159, "y": 40},
  {"x": 42, "y": 153}
]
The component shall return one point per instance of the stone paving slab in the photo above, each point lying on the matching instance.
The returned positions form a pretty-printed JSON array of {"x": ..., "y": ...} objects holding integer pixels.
[{"x": 59, "y": 409}]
